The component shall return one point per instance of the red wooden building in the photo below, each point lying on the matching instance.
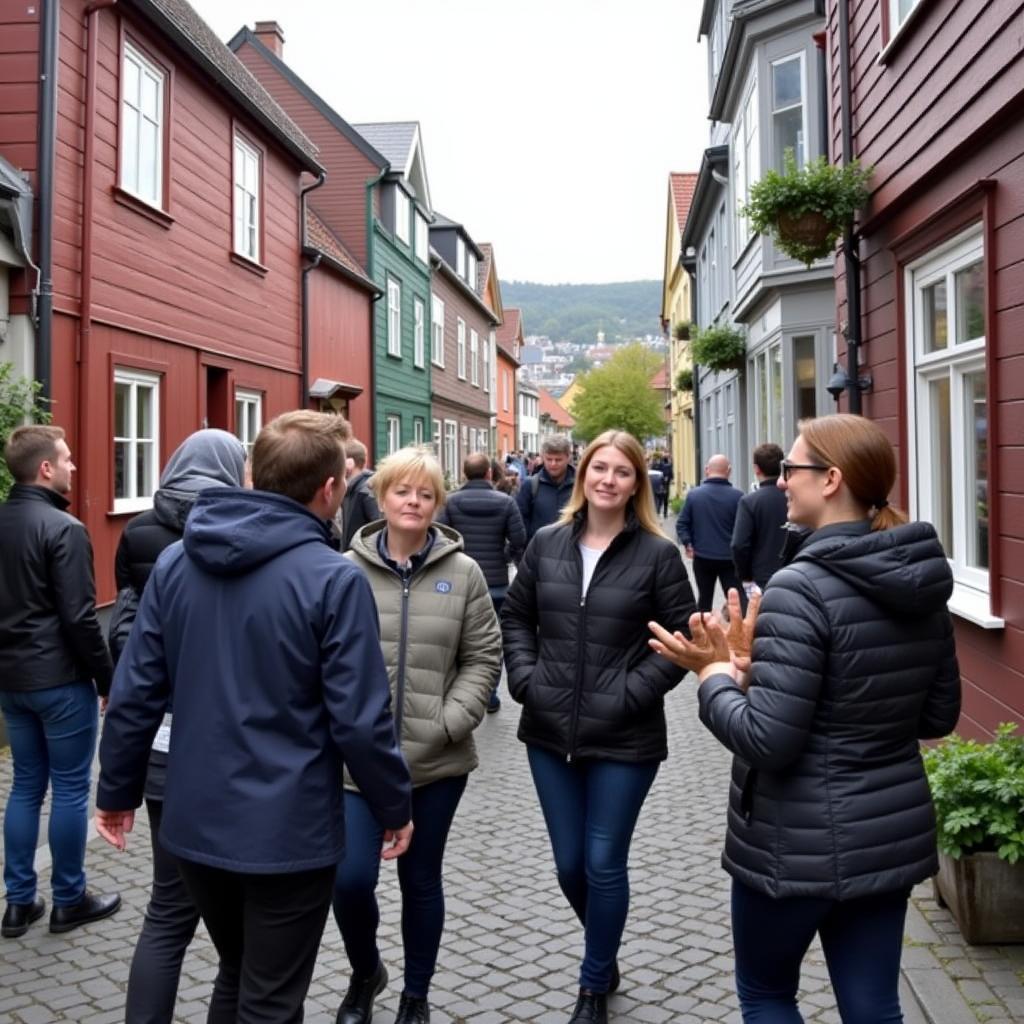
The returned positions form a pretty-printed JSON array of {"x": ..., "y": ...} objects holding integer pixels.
[
  {"x": 177, "y": 247},
  {"x": 936, "y": 89}
]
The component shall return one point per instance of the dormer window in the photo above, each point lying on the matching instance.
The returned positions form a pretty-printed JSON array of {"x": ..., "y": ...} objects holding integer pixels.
[
  {"x": 402, "y": 214},
  {"x": 471, "y": 270},
  {"x": 460, "y": 257},
  {"x": 422, "y": 239}
]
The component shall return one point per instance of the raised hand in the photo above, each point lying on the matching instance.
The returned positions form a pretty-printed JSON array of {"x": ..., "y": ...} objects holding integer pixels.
[
  {"x": 740, "y": 634},
  {"x": 707, "y": 646}
]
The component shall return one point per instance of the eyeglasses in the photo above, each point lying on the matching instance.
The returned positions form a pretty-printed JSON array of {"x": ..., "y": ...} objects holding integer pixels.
[{"x": 789, "y": 467}]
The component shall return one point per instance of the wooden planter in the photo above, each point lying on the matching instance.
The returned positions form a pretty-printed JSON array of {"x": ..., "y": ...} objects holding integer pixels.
[
  {"x": 809, "y": 229},
  {"x": 986, "y": 896}
]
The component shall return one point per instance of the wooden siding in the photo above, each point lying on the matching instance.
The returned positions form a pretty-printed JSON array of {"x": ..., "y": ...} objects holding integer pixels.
[
  {"x": 445, "y": 383},
  {"x": 507, "y": 434},
  {"x": 19, "y": 83},
  {"x": 935, "y": 122}
]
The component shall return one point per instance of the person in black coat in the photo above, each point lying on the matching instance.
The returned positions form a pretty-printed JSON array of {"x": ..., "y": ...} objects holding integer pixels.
[
  {"x": 359, "y": 506},
  {"x": 592, "y": 692},
  {"x": 852, "y": 664},
  {"x": 205, "y": 459},
  {"x": 758, "y": 535},
  {"x": 543, "y": 494}
]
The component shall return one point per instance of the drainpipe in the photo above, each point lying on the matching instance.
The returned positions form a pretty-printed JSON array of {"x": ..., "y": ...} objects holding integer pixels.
[
  {"x": 45, "y": 179},
  {"x": 304, "y": 355},
  {"x": 690, "y": 266},
  {"x": 850, "y": 241}
]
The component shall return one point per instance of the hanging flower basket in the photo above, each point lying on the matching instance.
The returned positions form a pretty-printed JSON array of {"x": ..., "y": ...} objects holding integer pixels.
[
  {"x": 807, "y": 229},
  {"x": 719, "y": 348},
  {"x": 681, "y": 331},
  {"x": 684, "y": 380}
]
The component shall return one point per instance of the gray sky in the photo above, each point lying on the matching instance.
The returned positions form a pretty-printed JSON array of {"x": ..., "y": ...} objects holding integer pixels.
[{"x": 549, "y": 126}]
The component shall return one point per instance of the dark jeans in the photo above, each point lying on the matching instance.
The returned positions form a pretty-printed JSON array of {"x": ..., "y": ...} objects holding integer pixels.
[
  {"x": 167, "y": 929},
  {"x": 419, "y": 876},
  {"x": 267, "y": 931},
  {"x": 706, "y": 572},
  {"x": 591, "y": 808},
  {"x": 661, "y": 503},
  {"x": 862, "y": 940},
  {"x": 53, "y": 738},
  {"x": 498, "y": 600}
]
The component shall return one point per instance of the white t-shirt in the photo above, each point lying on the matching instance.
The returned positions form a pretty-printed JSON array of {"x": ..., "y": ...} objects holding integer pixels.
[{"x": 590, "y": 558}]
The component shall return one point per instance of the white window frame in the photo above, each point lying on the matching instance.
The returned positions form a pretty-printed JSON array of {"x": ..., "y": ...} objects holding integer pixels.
[
  {"x": 247, "y": 199},
  {"x": 437, "y": 331},
  {"x": 417, "y": 430},
  {"x": 131, "y": 112},
  {"x": 474, "y": 358},
  {"x": 422, "y": 239},
  {"x": 394, "y": 288},
  {"x": 464, "y": 448},
  {"x": 394, "y": 424},
  {"x": 247, "y": 399},
  {"x": 895, "y": 21},
  {"x": 436, "y": 438},
  {"x": 460, "y": 335},
  {"x": 451, "y": 448},
  {"x": 505, "y": 377},
  {"x": 403, "y": 214},
  {"x": 460, "y": 256},
  {"x": 801, "y": 158},
  {"x": 746, "y": 159},
  {"x": 971, "y": 597},
  {"x": 471, "y": 268},
  {"x": 487, "y": 362},
  {"x": 133, "y": 501},
  {"x": 419, "y": 312}
]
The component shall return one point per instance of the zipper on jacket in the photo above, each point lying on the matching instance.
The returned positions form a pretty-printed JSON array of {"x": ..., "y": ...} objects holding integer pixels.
[{"x": 403, "y": 639}]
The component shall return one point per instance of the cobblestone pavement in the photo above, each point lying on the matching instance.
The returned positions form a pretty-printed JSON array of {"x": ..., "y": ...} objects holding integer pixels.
[{"x": 511, "y": 947}]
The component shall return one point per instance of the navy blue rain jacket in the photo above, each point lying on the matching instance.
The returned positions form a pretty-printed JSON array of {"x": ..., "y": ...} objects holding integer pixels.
[
  {"x": 707, "y": 518},
  {"x": 268, "y": 640}
]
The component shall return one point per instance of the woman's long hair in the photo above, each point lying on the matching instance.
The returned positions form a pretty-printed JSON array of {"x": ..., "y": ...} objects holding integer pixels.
[
  {"x": 642, "y": 502},
  {"x": 859, "y": 448}
]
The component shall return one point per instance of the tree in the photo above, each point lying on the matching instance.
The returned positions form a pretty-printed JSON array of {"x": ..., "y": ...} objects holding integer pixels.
[
  {"x": 19, "y": 401},
  {"x": 619, "y": 396}
]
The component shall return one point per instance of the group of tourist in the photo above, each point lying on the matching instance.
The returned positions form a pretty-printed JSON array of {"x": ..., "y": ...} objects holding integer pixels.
[{"x": 290, "y": 715}]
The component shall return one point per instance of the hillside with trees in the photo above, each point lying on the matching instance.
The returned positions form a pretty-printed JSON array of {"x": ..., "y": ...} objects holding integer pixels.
[{"x": 576, "y": 312}]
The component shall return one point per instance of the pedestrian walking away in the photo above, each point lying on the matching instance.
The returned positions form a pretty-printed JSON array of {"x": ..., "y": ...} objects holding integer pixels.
[
  {"x": 205, "y": 459},
  {"x": 442, "y": 647},
  {"x": 759, "y": 532},
  {"x": 823, "y": 695},
  {"x": 266, "y": 639},
  {"x": 492, "y": 532},
  {"x": 593, "y": 716},
  {"x": 359, "y": 506},
  {"x": 53, "y": 666},
  {"x": 704, "y": 528},
  {"x": 541, "y": 496}
]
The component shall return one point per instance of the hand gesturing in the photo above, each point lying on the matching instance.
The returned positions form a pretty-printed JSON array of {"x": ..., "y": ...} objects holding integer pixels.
[
  {"x": 740, "y": 634},
  {"x": 708, "y": 645}
]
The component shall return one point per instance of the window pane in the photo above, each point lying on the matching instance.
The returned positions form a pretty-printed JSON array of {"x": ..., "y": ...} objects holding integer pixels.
[
  {"x": 786, "y": 83},
  {"x": 935, "y": 324},
  {"x": 121, "y": 469},
  {"x": 761, "y": 373},
  {"x": 976, "y": 442},
  {"x": 789, "y": 134},
  {"x": 122, "y": 405},
  {"x": 941, "y": 467},
  {"x": 775, "y": 363},
  {"x": 149, "y": 142},
  {"x": 143, "y": 412},
  {"x": 130, "y": 150},
  {"x": 805, "y": 377},
  {"x": 150, "y": 97},
  {"x": 130, "y": 83},
  {"x": 143, "y": 469},
  {"x": 970, "y": 303}
]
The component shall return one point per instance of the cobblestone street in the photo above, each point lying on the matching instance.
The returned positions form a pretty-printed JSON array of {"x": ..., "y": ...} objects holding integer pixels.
[{"x": 511, "y": 946}]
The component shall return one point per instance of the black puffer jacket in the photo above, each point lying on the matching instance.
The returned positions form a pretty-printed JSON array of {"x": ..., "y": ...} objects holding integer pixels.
[
  {"x": 491, "y": 527},
  {"x": 590, "y": 685},
  {"x": 853, "y": 664}
]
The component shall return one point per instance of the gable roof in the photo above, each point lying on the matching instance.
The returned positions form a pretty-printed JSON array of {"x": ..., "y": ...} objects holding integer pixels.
[
  {"x": 487, "y": 271},
  {"x": 508, "y": 331},
  {"x": 320, "y": 237},
  {"x": 176, "y": 20},
  {"x": 400, "y": 143},
  {"x": 548, "y": 406},
  {"x": 659, "y": 382},
  {"x": 683, "y": 187}
]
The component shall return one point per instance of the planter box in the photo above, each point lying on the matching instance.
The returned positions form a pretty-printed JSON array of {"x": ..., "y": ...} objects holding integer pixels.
[{"x": 985, "y": 895}]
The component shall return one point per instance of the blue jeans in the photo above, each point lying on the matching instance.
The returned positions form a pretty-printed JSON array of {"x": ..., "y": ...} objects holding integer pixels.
[
  {"x": 862, "y": 940},
  {"x": 419, "y": 876},
  {"x": 591, "y": 808},
  {"x": 53, "y": 739}
]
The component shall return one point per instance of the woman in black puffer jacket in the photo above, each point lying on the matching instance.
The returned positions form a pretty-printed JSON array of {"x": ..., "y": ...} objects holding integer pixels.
[
  {"x": 592, "y": 692},
  {"x": 853, "y": 663}
]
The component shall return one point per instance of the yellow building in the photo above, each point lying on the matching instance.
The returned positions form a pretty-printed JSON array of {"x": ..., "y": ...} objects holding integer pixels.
[
  {"x": 568, "y": 396},
  {"x": 676, "y": 310}
]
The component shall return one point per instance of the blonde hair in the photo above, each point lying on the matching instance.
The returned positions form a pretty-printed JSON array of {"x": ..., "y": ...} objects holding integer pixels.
[
  {"x": 295, "y": 453},
  {"x": 414, "y": 463},
  {"x": 859, "y": 448},
  {"x": 642, "y": 501}
]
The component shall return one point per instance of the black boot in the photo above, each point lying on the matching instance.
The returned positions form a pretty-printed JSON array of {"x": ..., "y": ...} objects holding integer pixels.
[
  {"x": 357, "y": 1006},
  {"x": 591, "y": 1008},
  {"x": 18, "y": 916},
  {"x": 616, "y": 979},
  {"x": 412, "y": 1010},
  {"x": 89, "y": 908}
]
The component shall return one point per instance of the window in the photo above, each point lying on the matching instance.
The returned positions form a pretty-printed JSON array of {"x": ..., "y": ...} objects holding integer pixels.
[
  {"x": 248, "y": 417},
  {"x": 723, "y": 240},
  {"x": 712, "y": 271},
  {"x": 436, "y": 331},
  {"x": 788, "y": 111},
  {"x": 142, "y": 129},
  {"x": 417, "y": 430},
  {"x": 768, "y": 411},
  {"x": 949, "y": 412},
  {"x": 716, "y": 45},
  {"x": 418, "y": 341},
  {"x": 805, "y": 377},
  {"x": 465, "y": 445},
  {"x": 394, "y": 318},
  {"x": 402, "y": 213},
  {"x": 136, "y": 439},
  {"x": 461, "y": 337},
  {"x": 394, "y": 434},
  {"x": 422, "y": 239},
  {"x": 487, "y": 362},
  {"x": 506, "y": 381},
  {"x": 471, "y": 270},
  {"x": 460, "y": 257},
  {"x": 436, "y": 427},
  {"x": 745, "y": 158},
  {"x": 474, "y": 359},
  {"x": 899, "y": 11},
  {"x": 247, "y": 200},
  {"x": 451, "y": 447}
]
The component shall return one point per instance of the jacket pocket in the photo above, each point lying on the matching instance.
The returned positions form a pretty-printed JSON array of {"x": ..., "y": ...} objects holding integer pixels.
[{"x": 746, "y": 781}]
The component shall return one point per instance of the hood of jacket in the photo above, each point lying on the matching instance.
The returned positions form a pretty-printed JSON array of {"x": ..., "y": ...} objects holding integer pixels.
[
  {"x": 232, "y": 531},
  {"x": 205, "y": 459},
  {"x": 904, "y": 570},
  {"x": 446, "y": 542}
]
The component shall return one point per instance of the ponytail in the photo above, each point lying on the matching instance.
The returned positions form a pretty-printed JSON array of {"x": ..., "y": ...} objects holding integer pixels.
[{"x": 885, "y": 516}]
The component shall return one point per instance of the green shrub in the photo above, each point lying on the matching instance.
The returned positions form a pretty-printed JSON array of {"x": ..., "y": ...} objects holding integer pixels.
[
  {"x": 719, "y": 348},
  {"x": 19, "y": 402},
  {"x": 684, "y": 379},
  {"x": 675, "y": 505}
]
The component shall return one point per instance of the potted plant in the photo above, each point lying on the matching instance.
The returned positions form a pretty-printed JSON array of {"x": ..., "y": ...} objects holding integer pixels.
[
  {"x": 684, "y": 379},
  {"x": 978, "y": 790},
  {"x": 806, "y": 209},
  {"x": 719, "y": 347},
  {"x": 681, "y": 330}
]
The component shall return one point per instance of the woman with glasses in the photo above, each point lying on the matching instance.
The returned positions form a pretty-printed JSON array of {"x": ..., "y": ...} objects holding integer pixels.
[{"x": 852, "y": 664}]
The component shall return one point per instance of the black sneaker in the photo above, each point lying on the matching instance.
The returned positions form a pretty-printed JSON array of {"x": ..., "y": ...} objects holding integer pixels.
[
  {"x": 494, "y": 704},
  {"x": 357, "y": 1006},
  {"x": 591, "y": 1008},
  {"x": 18, "y": 916},
  {"x": 89, "y": 908},
  {"x": 412, "y": 1010}
]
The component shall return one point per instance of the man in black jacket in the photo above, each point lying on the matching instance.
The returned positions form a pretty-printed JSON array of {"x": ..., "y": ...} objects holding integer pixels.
[
  {"x": 757, "y": 536},
  {"x": 541, "y": 496},
  {"x": 492, "y": 531},
  {"x": 53, "y": 661},
  {"x": 359, "y": 506}
]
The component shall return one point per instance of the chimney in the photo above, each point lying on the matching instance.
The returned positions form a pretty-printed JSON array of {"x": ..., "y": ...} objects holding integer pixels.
[{"x": 271, "y": 35}]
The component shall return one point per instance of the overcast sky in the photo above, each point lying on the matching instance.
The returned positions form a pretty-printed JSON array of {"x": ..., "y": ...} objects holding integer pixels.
[{"x": 549, "y": 126}]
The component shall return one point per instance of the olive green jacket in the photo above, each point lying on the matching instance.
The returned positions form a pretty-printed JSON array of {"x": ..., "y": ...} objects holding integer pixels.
[{"x": 442, "y": 648}]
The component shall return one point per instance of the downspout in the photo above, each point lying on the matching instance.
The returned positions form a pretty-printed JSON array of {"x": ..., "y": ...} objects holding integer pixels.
[
  {"x": 371, "y": 247},
  {"x": 46, "y": 184},
  {"x": 850, "y": 241},
  {"x": 690, "y": 266},
  {"x": 304, "y": 353}
]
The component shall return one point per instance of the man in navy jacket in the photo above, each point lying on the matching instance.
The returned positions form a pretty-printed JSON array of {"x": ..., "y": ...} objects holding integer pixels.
[
  {"x": 268, "y": 640},
  {"x": 758, "y": 536}
]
